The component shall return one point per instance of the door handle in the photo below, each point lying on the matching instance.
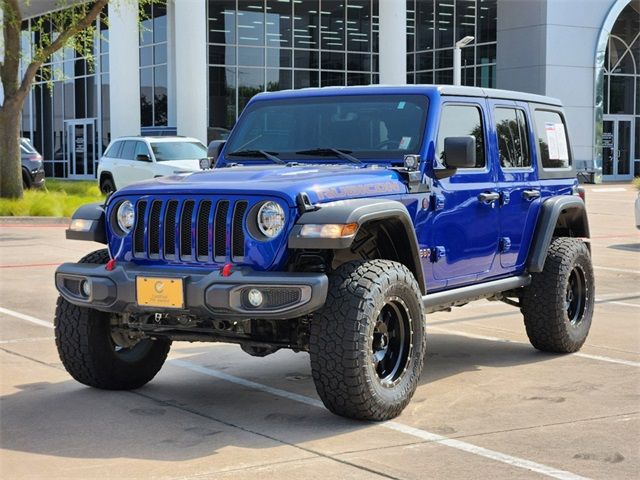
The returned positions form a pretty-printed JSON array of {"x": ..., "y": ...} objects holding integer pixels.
[
  {"x": 530, "y": 194},
  {"x": 488, "y": 197}
]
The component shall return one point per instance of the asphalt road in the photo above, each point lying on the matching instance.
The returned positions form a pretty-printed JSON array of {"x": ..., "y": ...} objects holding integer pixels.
[{"x": 489, "y": 405}]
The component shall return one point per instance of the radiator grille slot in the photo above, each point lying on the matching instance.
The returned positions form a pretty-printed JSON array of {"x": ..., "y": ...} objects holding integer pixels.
[
  {"x": 154, "y": 229},
  {"x": 203, "y": 229},
  {"x": 170, "y": 229},
  {"x": 237, "y": 233},
  {"x": 220, "y": 229},
  {"x": 185, "y": 229},
  {"x": 138, "y": 235}
]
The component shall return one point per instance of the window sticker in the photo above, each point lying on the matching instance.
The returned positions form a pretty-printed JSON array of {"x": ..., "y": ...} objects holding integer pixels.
[
  {"x": 561, "y": 137},
  {"x": 404, "y": 143},
  {"x": 401, "y": 105},
  {"x": 552, "y": 140}
]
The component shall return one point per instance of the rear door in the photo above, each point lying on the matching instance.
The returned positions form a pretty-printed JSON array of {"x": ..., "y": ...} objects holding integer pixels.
[
  {"x": 465, "y": 228},
  {"x": 517, "y": 183}
]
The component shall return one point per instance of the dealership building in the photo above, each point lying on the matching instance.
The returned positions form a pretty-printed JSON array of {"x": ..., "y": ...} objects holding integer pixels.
[{"x": 194, "y": 64}]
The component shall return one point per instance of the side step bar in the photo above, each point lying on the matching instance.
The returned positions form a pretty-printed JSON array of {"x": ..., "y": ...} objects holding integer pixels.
[{"x": 449, "y": 298}]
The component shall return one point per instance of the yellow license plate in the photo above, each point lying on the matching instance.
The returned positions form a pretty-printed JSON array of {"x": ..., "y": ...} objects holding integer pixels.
[{"x": 160, "y": 292}]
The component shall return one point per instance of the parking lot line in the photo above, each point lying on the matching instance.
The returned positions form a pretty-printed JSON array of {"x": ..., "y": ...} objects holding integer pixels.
[
  {"x": 26, "y": 318},
  {"x": 399, "y": 427},
  {"x": 619, "y": 361},
  {"x": 621, "y": 270}
]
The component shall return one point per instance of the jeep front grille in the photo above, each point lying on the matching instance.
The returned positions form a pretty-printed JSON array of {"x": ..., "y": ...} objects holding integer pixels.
[{"x": 203, "y": 231}]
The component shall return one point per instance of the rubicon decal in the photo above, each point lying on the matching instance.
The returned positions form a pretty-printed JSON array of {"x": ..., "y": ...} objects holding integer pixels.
[{"x": 358, "y": 190}]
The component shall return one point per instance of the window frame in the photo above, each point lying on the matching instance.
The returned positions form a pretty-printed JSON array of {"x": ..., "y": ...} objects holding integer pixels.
[
  {"x": 527, "y": 132},
  {"x": 465, "y": 103}
]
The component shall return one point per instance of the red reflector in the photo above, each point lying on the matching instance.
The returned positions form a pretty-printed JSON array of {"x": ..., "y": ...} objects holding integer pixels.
[
  {"x": 226, "y": 270},
  {"x": 111, "y": 264}
]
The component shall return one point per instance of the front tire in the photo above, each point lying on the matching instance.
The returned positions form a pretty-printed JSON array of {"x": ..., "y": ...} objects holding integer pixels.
[
  {"x": 558, "y": 305},
  {"x": 96, "y": 356},
  {"x": 367, "y": 344},
  {"x": 107, "y": 186}
]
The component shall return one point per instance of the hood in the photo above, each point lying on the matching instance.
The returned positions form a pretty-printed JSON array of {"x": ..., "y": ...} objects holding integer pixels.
[
  {"x": 323, "y": 183},
  {"x": 192, "y": 165}
]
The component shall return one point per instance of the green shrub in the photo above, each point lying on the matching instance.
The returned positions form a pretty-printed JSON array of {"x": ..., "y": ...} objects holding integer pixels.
[
  {"x": 636, "y": 182},
  {"x": 60, "y": 198}
]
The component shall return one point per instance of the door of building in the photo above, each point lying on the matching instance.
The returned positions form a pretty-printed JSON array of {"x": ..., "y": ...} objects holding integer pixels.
[
  {"x": 81, "y": 148},
  {"x": 617, "y": 147}
]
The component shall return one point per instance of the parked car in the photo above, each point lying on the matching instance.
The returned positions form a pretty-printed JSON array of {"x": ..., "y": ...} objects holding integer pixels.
[
  {"x": 333, "y": 221},
  {"x": 133, "y": 159},
  {"x": 32, "y": 168}
]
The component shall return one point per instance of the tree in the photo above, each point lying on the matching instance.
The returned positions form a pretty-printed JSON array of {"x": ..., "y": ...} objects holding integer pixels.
[{"x": 74, "y": 23}]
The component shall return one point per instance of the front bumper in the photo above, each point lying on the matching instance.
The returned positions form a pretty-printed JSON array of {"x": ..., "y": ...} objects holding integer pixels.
[{"x": 207, "y": 294}]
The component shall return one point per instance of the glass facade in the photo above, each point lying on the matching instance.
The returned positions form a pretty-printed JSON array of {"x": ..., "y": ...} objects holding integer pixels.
[
  {"x": 66, "y": 116},
  {"x": 153, "y": 66},
  {"x": 268, "y": 45},
  {"x": 433, "y": 28},
  {"x": 622, "y": 91}
]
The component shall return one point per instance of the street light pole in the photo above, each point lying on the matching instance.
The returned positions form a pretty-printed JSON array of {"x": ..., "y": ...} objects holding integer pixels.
[{"x": 457, "y": 59}]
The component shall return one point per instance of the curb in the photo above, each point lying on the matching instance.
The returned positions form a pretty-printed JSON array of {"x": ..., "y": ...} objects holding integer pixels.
[{"x": 34, "y": 221}]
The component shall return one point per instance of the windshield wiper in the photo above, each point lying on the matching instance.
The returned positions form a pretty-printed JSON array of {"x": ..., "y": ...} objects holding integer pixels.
[
  {"x": 322, "y": 152},
  {"x": 256, "y": 153}
]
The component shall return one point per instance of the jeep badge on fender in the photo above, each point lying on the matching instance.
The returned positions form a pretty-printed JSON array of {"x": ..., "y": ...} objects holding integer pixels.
[{"x": 333, "y": 221}]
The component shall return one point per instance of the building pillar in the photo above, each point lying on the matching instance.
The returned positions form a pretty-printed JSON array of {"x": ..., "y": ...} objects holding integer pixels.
[
  {"x": 190, "y": 26},
  {"x": 393, "y": 42},
  {"x": 124, "y": 68}
]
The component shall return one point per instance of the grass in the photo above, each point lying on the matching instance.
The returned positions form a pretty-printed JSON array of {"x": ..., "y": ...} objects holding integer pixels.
[
  {"x": 59, "y": 198},
  {"x": 636, "y": 182}
]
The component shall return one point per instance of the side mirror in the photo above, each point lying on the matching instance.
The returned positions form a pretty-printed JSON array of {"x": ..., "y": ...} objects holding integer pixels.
[
  {"x": 143, "y": 158},
  {"x": 460, "y": 152},
  {"x": 213, "y": 151}
]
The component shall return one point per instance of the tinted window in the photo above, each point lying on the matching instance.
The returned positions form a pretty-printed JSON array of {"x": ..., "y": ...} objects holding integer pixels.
[
  {"x": 458, "y": 121},
  {"x": 141, "y": 149},
  {"x": 114, "y": 150},
  {"x": 128, "y": 150},
  {"x": 511, "y": 130},
  {"x": 552, "y": 139},
  {"x": 369, "y": 126},
  {"x": 165, "y": 151}
]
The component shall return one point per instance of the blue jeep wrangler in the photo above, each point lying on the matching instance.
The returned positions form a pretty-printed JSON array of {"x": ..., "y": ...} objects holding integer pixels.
[{"x": 331, "y": 222}]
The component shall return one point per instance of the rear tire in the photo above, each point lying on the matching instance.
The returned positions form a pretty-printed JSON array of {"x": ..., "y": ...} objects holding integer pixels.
[
  {"x": 90, "y": 352},
  {"x": 558, "y": 305},
  {"x": 367, "y": 344}
]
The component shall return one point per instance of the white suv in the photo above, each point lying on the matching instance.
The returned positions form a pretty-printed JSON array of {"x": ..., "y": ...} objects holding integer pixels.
[{"x": 133, "y": 159}]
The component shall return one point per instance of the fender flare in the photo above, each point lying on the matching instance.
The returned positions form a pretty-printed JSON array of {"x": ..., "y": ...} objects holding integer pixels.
[
  {"x": 360, "y": 211},
  {"x": 570, "y": 207},
  {"x": 94, "y": 212}
]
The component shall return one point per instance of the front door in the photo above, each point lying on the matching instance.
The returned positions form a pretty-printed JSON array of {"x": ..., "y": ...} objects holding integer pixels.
[
  {"x": 617, "y": 147},
  {"x": 81, "y": 148},
  {"x": 465, "y": 227}
]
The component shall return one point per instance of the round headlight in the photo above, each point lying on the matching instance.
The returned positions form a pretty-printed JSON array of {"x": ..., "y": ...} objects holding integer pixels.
[
  {"x": 270, "y": 219},
  {"x": 126, "y": 216}
]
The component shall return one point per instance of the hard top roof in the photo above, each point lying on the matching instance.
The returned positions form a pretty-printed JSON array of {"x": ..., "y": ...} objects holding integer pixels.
[{"x": 444, "y": 90}]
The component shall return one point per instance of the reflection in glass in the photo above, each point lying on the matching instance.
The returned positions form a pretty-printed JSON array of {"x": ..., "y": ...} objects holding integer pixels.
[
  {"x": 359, "y": 26},
  {"x": 251, "y": 22},
  {"x": 222, "y": 21},
  {"x": 279, "y": 21},
  {"x": 306, "y": 23},
  {"x": 332, "y": 25},
  {"x": 460, "y": 120}
]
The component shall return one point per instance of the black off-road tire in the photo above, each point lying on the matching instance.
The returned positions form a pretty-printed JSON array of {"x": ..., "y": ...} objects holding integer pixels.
[
  {"x": 552, "y": 324},
  {"x": 344, "y": 335},
  {"x": 87, "y": 351}
]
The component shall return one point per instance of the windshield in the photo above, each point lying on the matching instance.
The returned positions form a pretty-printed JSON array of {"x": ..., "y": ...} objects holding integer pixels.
[
  {"x": 26, "y": 147},
  {"x": 166, "y": 151},
  {"x": 365, "y": 126}
]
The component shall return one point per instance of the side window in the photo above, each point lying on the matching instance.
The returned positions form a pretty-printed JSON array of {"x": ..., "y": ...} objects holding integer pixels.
[
  {"x": 141, "y": 149},
  {"x": 128, "y": 150},
  {"x": 513, "y": 144},
  {"x": 552, "y": 139},
  {"x": 457, "y": 121},
  {"x": 114, "y": 150}
]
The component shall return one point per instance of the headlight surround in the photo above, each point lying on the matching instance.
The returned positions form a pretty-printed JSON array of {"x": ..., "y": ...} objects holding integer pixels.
[
  {"x": 125, "y": 216},
  {"x": 270, "y": 219}
]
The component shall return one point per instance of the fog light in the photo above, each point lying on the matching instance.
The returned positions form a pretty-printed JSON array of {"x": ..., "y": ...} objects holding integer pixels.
[
  {"x": 85, "y": 288},
  {"x": 255, "y": 297}
]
